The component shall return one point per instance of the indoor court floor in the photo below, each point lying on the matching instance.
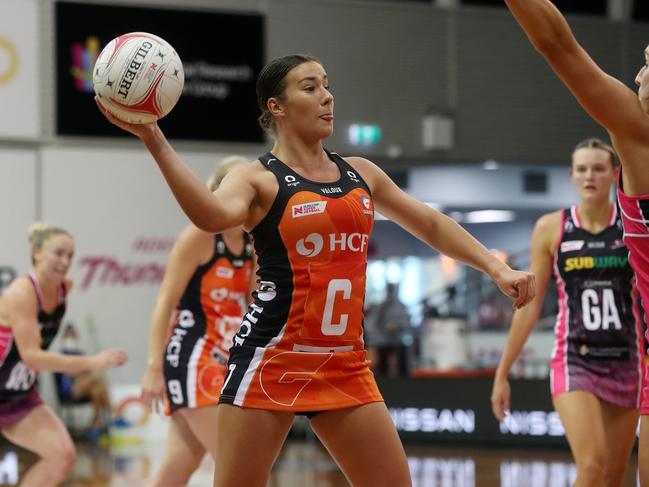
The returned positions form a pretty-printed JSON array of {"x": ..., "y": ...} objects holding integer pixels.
[{"x": 305, "y": 463}]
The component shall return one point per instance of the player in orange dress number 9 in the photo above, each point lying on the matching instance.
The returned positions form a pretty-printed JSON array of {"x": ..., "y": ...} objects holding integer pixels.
[
  {"x": 203, "y": 296},
  {"x": 299, "y": 349}
]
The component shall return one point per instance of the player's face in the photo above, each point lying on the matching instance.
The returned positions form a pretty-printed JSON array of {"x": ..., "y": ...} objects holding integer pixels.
[
  {"x": 55, "y": 256},
  {"x": 592, "y": 174},
  {"x": 308, "y": 104},
  {"x": 642, "y": 80}
]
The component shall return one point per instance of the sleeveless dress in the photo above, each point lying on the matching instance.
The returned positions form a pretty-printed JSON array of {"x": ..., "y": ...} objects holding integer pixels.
[
  {"x": 206, "y": 319},
  {"x": 598, "y": 332},
  {"x": 18, "y": 383},
  {"x": 635, "y": 219},
  {"x": 300, "y": 345}
]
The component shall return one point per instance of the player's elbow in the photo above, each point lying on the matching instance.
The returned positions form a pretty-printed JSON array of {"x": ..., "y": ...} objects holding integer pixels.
[
  {"x": 218, "y": 221},
  {"x": 547, "y": 46},
  {"x": 554, "y": 48},
  {"x": 208, "y": 225}
]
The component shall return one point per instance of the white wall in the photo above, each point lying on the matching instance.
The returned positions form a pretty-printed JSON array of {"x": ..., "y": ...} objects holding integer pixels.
[
  {"x": 17, "y": 206},
  {"x": 19, "y": 69}
]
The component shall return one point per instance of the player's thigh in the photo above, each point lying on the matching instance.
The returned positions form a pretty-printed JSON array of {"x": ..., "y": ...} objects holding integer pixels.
[
  {"x": 582, "y": 418},
  {"x": 248, "y": 442},
  {"x": 202, "y": 423},
  {"x": 620, "y": 426},
  {"x": 42, "y": 432},
  {"x": 183, "y": 453},
  {"x": 364, "y": 442}
]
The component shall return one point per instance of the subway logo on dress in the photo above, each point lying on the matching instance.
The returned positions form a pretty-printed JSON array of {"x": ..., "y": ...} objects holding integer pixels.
[{"x": 602, "y": 262}]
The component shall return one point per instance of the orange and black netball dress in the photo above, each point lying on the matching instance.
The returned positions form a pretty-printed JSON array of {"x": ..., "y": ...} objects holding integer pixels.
[
  {"x": 207, "y": 317},
  {"x": 300, "y": 345}
]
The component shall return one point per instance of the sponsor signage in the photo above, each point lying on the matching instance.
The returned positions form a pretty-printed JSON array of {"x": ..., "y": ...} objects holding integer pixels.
[
  {"x": 9, "y": 468},
  {"x": 221, "y": 60},
  {"x": 459, "y": 410}
]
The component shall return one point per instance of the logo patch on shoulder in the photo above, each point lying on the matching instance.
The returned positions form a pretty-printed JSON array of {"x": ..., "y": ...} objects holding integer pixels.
[
  {"x": 572, "y": 245},
  {"x": 306, "y": 209}
]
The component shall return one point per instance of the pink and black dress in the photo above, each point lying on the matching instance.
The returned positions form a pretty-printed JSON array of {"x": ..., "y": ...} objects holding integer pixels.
[
  {"x": 598, "y": 332},
  {"x": 18, "y": 383},
  {"x": 635, "y": 218}
]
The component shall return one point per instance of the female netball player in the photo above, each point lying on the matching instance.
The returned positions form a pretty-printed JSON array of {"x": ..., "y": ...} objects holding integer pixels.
[
  {"x": 206, "y": 287},
  {"x": 597, "y": 360},
  {"x": 31, "y": 310},
  {"x": 623, "y": 114},
  {"x": 299, "y": 349}
]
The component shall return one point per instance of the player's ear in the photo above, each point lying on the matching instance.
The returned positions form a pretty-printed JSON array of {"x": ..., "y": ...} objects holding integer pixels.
[{"x": 275, "y": 107}]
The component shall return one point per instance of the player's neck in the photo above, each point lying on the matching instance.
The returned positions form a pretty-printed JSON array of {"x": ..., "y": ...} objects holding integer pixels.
[
  {"x": 594, "y": 216},
  {"x": 49, "y": 287},
  {"x": 299, "y": 153}
]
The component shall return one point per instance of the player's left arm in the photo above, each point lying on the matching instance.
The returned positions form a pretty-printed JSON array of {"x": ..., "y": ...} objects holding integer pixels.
[
  {"x": 607, "y": 100},
  {"x": 441, "y": 232}
]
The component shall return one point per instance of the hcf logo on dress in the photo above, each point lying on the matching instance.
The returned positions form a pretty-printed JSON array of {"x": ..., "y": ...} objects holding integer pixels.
[{"x": 312, "y": 244}]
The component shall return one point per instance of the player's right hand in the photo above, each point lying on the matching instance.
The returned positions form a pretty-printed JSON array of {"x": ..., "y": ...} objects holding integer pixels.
[
  {"x": 153, "y": 390},
  {"x": 140, "y": 130},
  {"x": 500, "y": 398}
]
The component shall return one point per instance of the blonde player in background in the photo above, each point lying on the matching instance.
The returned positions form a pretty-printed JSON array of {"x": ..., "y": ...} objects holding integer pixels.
[
  {"x": 597, "y": 358},
  {"x": 31, "y": 310}
]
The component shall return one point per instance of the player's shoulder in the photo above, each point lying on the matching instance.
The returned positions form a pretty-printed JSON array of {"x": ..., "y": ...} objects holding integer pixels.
[
  {"x": 192, "y": 236},
  {"x": 360, "y": 163},
  {"x": 549, "y": 221},
  {"x": 548, "y": 228},
  {"x": 254, "y": 171},
  {"x": 369, "y": 171},
  {"x": 19, "y": 292}
]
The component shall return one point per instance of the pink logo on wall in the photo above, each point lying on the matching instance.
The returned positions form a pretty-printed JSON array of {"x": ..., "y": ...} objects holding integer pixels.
[{"x": 105, "y": 270}]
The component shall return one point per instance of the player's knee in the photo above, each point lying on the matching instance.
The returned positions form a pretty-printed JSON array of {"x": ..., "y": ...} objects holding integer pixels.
[
  {"x": 68, "y": 455},
  {"x": 61, "y": 460},
  {"x": 614, "y": 475},
  {"x": 592, "y": 470}
]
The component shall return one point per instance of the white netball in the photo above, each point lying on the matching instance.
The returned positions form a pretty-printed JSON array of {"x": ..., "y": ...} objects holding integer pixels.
[{"x": 138, "y": 77}]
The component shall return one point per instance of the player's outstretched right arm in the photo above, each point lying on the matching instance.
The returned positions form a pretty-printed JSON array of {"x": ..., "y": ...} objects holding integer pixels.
[
  {"x": 612, "y": 104},
  {"x": 212, "y": 212}
]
